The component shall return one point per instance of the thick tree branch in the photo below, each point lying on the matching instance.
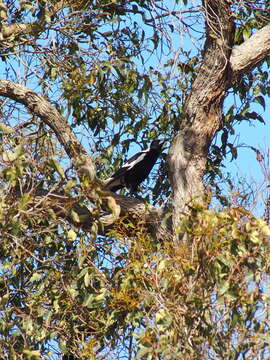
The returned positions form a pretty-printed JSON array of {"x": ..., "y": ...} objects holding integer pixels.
[
  {"x": 220, "y": 67},
  {"x": 130, "y": 211},
  {"x": 251, "y": 52},
  {"x": 18, "y": 30},
  {"x": 37, "y": 105}
]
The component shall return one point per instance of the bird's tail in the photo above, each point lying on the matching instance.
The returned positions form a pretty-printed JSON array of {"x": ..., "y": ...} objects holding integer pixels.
[{"x": 113, "y": 184}]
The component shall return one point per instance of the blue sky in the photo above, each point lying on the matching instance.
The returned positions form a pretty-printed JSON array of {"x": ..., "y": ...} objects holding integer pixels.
[
  {"x": 250, "y": 173},
  {"x": 256, "y": 135}
]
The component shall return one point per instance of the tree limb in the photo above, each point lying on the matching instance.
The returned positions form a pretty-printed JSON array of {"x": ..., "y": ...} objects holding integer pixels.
[
  {"x": 18, "y": 29},
  {"x": 251, "y": 51},
  {"x": 221, "y": 65},
  {"x": 37, "y": 105},
  {"x": 131, "y": 210}
]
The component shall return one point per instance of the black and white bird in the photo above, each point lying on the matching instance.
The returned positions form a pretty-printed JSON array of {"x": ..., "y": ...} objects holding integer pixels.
[{"x": 136, "y": 169}]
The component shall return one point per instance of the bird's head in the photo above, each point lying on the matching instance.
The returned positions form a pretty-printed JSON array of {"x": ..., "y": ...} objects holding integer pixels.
[{"x": 157, "y": 144}]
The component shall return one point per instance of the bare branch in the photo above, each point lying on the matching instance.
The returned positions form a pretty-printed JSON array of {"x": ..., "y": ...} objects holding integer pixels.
[{"x": 172, "y": 13}]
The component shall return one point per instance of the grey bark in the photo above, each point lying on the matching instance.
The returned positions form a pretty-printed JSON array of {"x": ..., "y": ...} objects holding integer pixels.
[{"x": 251, "y": 52}]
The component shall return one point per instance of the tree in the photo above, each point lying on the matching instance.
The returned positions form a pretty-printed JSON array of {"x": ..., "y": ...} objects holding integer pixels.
[{"x": 92, "y": 274}]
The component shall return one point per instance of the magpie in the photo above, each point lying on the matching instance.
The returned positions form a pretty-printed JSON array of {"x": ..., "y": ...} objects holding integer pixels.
[{"x": 136, "y": 169}]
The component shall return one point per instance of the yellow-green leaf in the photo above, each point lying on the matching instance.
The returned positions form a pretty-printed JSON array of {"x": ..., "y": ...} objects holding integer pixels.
[
  {"x": 71, "y": 235},
  {"x": 5, "y": 128},
  {"x": 10, "y": 155},
  {"x": 58, "y": 168},
  {"x": 74, "y": 216}
]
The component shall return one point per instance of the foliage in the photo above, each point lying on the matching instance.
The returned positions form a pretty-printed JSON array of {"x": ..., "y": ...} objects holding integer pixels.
[
  {"x": 119, "y": 74},
  {"x": 97, "y": 296}
]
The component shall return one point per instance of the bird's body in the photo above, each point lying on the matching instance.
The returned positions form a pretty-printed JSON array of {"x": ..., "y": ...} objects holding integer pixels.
[{"x": 136, "y": 169}]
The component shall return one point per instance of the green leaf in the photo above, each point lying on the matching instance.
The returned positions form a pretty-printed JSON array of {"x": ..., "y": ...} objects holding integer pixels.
[
  {"x": 24, "y": 201},
  {"x": 58, "y": 168},
  {"x": 233, "y": 151},
  {"x": 143, "y": 351},
  {"x": 36, "y": 276},
  {"x": 86, "y": 279},
  {"x": 265, "y": 229},
  {"x": 246, "y": 33},
  {"x": 254, "y": 237},
  {"x": 88, "y": 301},
  {"x": 53, "y": 73},
  {"x": 73, "y": 292},
  {"x": 74, "y": 216},
  {"x": 56, "y": 305},
  {"x": 260, "y": 100},
  {"x": 235, "y": 317},
  {"x": 161, "y": 316},
  {"x": 224, "y": 288},
  {"x": 162, "y": 265},
  {"x": 32, "y": 354}
]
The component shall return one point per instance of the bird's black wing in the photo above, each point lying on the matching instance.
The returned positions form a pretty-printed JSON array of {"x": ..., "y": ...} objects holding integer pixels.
[
  {"x": 116, "y": 181},
  {"x": 129, "y": 164}
]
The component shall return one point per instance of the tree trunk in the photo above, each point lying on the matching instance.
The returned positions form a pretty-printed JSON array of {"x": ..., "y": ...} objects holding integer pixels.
[{"x": 188, "y": 154}]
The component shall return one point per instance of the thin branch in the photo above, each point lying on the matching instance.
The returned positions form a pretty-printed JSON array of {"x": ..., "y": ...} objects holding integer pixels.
[{"x": 172, "y": 13}]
